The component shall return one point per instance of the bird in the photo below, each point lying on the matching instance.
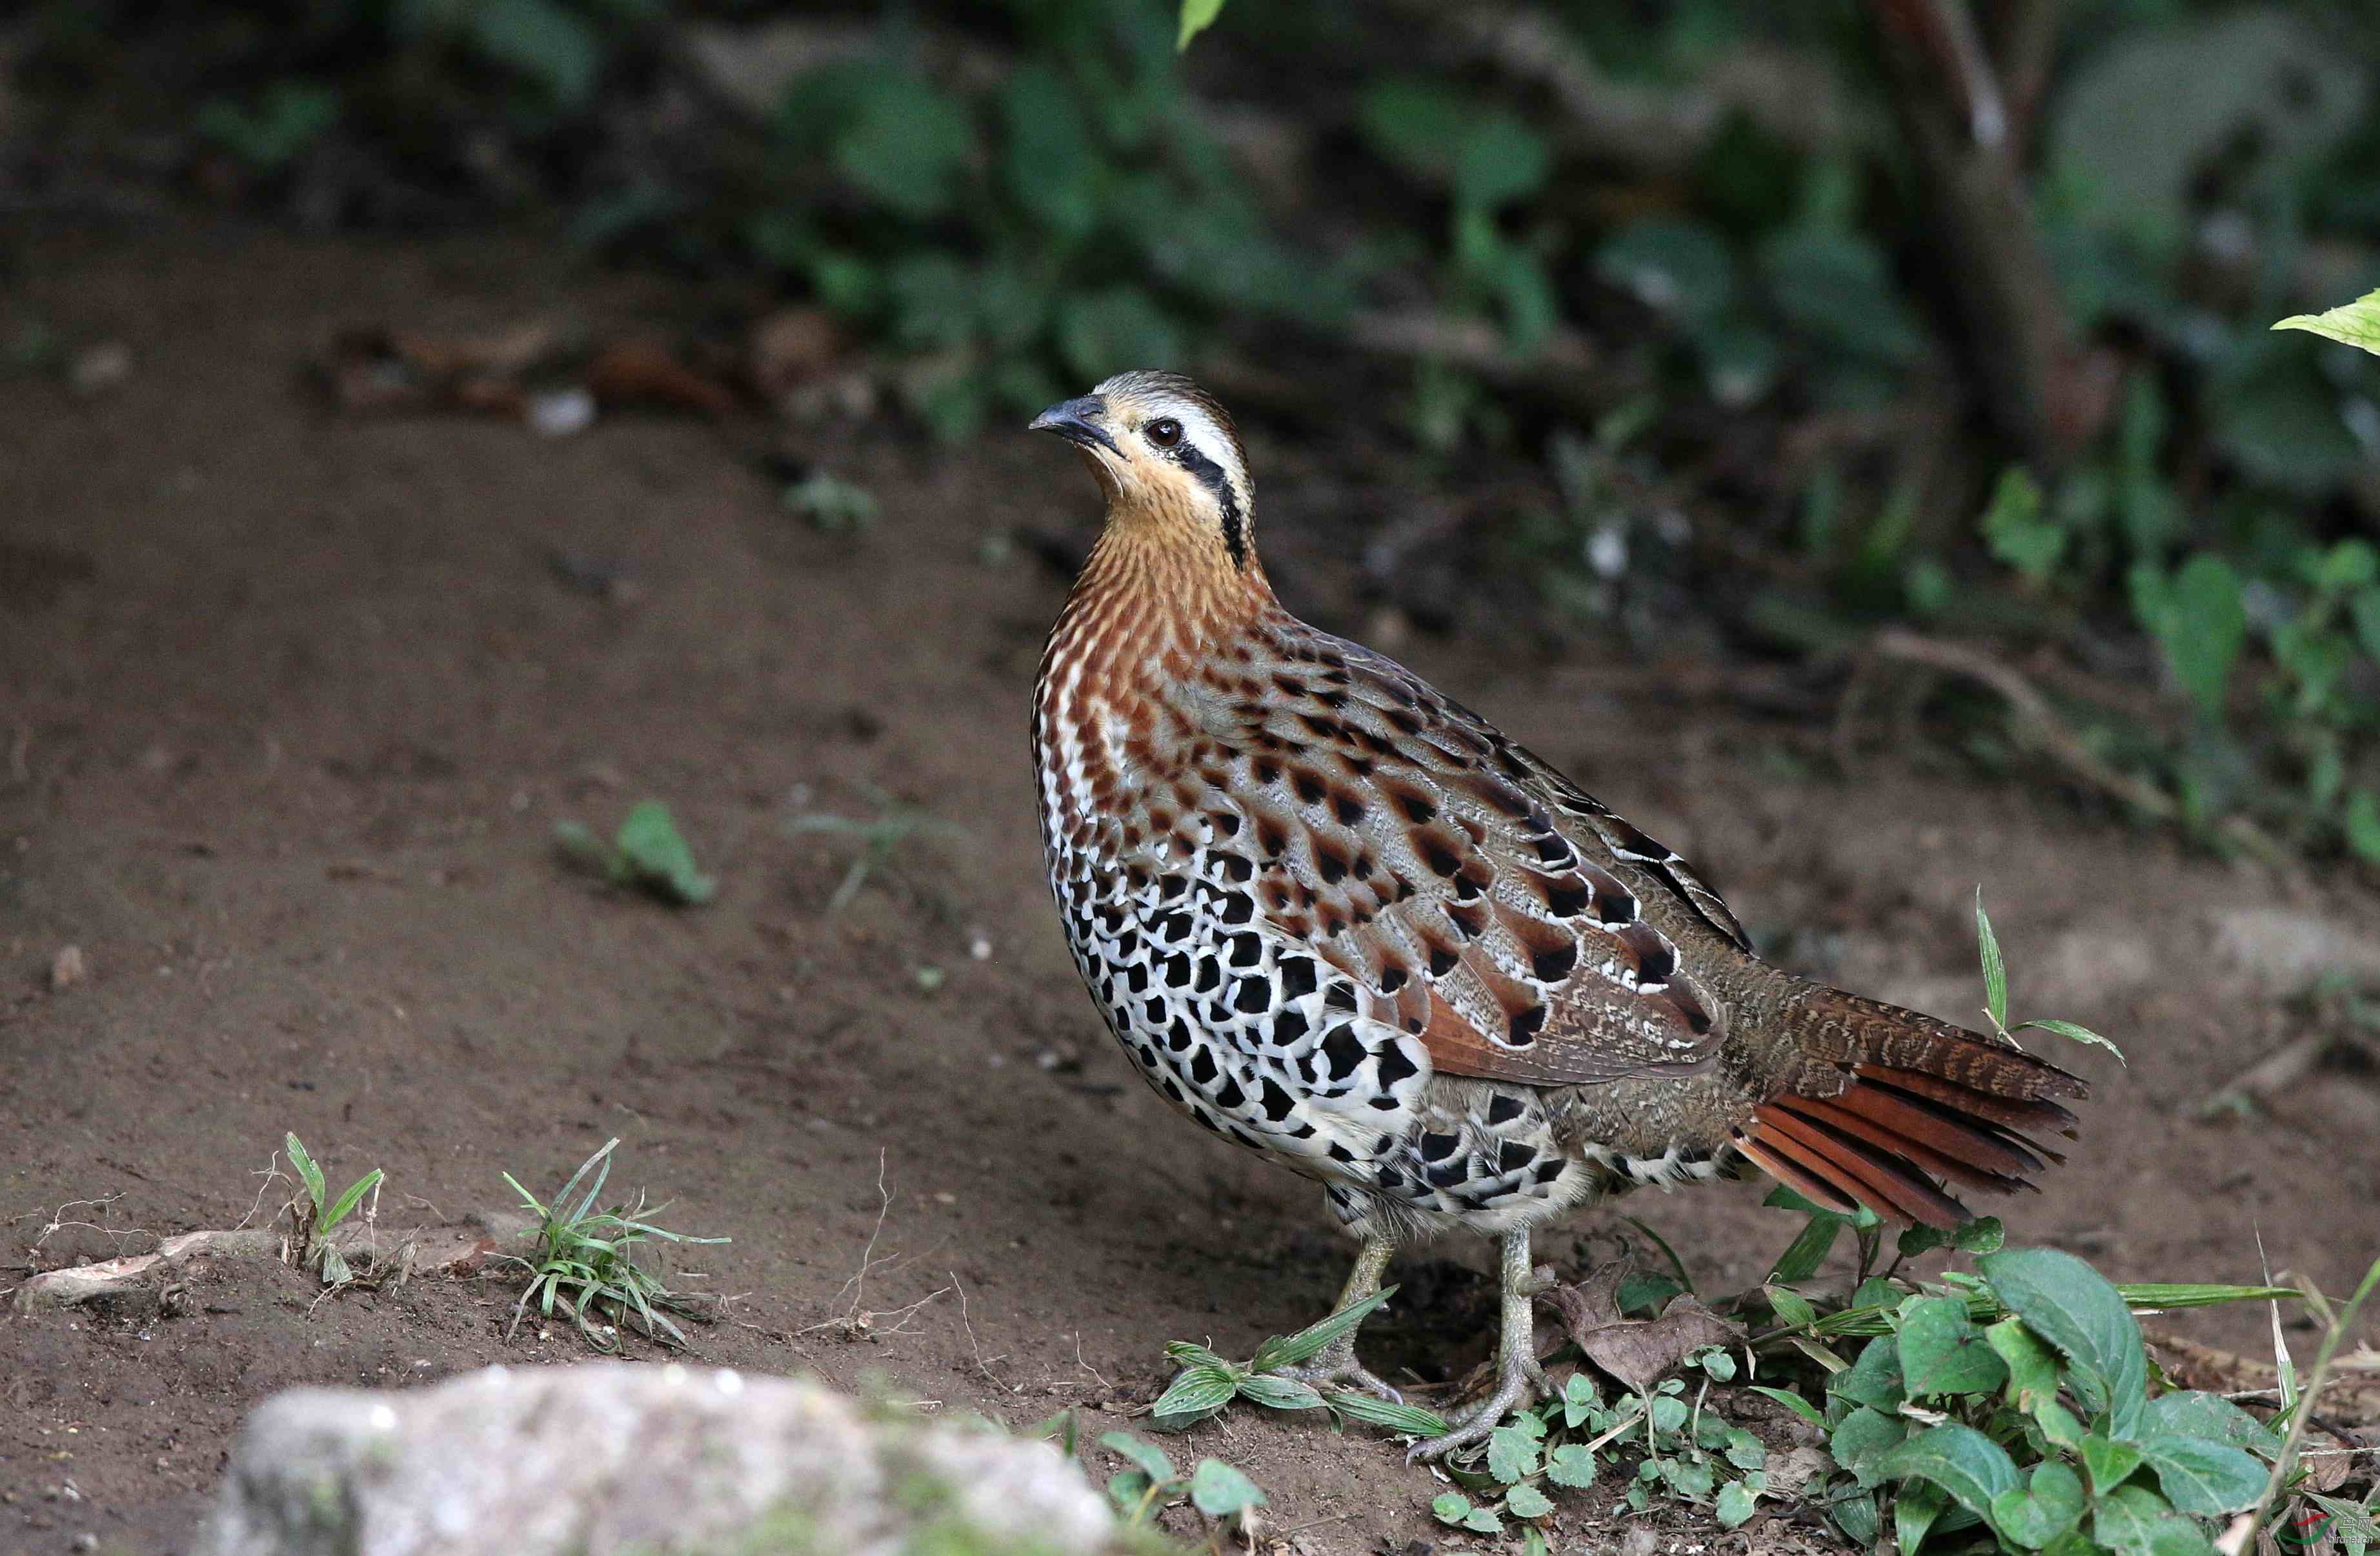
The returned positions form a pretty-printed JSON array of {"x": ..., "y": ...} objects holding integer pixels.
[{"x": 1337, "y": 918}]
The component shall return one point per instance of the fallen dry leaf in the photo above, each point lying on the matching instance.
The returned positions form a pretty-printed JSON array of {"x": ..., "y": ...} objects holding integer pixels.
[
  {"x": 642, "y": 372},
  {"x": 1639, "y": 1352}
]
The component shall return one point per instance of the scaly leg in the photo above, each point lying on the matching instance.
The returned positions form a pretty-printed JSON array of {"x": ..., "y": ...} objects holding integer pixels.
[
  {"x": 1518, "y": 1376},
  {"x": 1335, "y": 1365}
]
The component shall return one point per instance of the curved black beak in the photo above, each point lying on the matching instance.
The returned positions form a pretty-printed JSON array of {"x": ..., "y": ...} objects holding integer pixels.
[{"x": 1077, "y": 421}]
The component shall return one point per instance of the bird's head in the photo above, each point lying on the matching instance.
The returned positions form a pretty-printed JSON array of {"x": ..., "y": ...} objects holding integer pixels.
[{"x": 1168, "y": 459}]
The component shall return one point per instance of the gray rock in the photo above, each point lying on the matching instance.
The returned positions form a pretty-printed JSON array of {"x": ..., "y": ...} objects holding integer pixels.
[{"x": 616, "y": 1457}]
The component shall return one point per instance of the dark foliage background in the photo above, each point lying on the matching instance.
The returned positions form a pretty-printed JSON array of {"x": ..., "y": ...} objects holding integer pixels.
[{"x": 1910, "y": 357}]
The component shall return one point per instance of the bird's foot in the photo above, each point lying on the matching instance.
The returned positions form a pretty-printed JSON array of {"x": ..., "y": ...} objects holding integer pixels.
[
  {"x": 1335, "y": 1366},
  {"x": 1519, "y": 1381}
]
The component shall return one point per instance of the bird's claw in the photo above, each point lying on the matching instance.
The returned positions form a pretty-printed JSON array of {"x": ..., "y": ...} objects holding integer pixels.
[
  {"x": 1337, "y": 1367},
  {"x": 1516, "y": 1389}
]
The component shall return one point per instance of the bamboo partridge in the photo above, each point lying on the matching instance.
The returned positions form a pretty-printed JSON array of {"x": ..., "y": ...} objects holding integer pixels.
[{"x": 1340, "y": 920}]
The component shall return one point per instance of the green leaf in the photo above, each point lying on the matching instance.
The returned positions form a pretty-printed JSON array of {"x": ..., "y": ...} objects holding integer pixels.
[
  {"x": 2015, "y": 528},
  {"x": 2072, "y": 1306},
  {"x": 1792, "y": 1402},
  {"x": 2194, "y": 1413},
  {"x": 1875, "y": 1379},
  {"x": 1195, "y": 1392},
  {"x": 1217, "y": 1489},
  {"x": 1961, "y": 1460},
  {"x": 347, "y": 1202},
  {"x": 1862, "y": 1440},
  {"x": 1197, "y": 16},
  {"x": 1315, "y": 1338},
  {"x": 1497, "y": 161},
  {"x": 2035, "y": 1517},
  {"x": 1512, "y": 1454},
  {"x": 1981, "y": 1235},
  {"x": 657, "y": 857},
  {"x": 2109, "y": 1463},
  {"x": 1677, "y": 267},
  {"x": 1578, "y": 1399},
  {"x": 1914, "y": 1512},
  {"x": 1995, "y": 970},
  {"x": 1526, "y": 1502},
  {"x": 2360, "y": 822},
  {"x": 1808, "y": 1250},
  {"x": 1126, "y": 1488},
  {"x": 2136, "y": 1521},
  {"x": 1415, "y": 124},
  {"x": 2032, "y": 1365},
  {"x": 1835, "y": 287},
  {"x": 1735, "y": 1506},
  {"x": 1668, "y": 1413},
  {"x": 1790, "y": 1307},
  {"x": 1409, "y": 1419},
  {"x": 2074, "y": 1033},
  {"x": 1943, "y": 1352},
  {"x": 2355, "y": 323},
  {"x": 309, "y": 1174},
  {"x": 1743, "y": 1450},
  {"x": 1280, "y": 1394},
  {"x": 548, "y": 43},
  {"x": 1450, "y": 1507},
  {"x": 2206, "y": 627},
  {"x": 1857, "y": 1517},
  {"x": 2201, "y": 1477},
  {"x": 1147, "y": 1455},
  {"x": 1571, "y": 1464},
  {"x": 1485, "y": 1521},
  {"x": 1716, "y": 1361},
  {"x": 1688, "y": 1479},
  {"x": 905, "y": 146},
  {"x": 334, "y": 1269}
]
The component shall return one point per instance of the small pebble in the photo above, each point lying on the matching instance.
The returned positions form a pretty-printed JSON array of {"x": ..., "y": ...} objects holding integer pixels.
[{"x": 67, "y": 969}]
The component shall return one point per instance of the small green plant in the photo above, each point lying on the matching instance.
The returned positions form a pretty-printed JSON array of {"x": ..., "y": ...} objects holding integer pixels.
[
  {"x": 1213, "y": 1488},
  {"x": 2355, "y": 323},
  {"x": 314, "y": 1215},
  {"x": 1207, "y": 1382},
  {"x": 831, "y": 504},
  {"x": 584, "y": 1261},
  {"x": 649, "y": 854},
  {"x": 894, "y": 824}
]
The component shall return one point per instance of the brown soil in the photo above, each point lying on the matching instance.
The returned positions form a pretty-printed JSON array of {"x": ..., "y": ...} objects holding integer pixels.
[{"x": 291, "y": 706}]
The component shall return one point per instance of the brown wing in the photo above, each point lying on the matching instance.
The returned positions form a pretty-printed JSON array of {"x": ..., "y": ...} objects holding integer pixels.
[{"x": 1481, "y": 898}]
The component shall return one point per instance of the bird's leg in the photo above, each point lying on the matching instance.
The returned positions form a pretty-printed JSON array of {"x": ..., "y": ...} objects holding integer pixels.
[
  {"x": 1335, "y": 1364},
  {"x": 1518, "y": 1376}
]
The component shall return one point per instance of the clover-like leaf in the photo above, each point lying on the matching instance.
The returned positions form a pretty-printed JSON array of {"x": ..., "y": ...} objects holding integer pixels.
[
  {"x": 1525, "y": 1501},
  {"x": 1512, "y": 1454},
  {"x": 1217, "y": 1489},
  {"x": 1735, "y": 1504},
  {"x": 1571, "y": 1464}
]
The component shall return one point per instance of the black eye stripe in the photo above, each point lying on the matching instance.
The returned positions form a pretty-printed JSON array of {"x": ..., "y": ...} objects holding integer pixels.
[{"x": 1210, "y": 475}]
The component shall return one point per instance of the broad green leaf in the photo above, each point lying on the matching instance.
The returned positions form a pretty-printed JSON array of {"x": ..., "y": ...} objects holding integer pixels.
[
  {"x": 1875, "y": 1379},
  {"x": 1196, "y": 1391},
  {"x": 1858, "y": 1519},
  {"x": 1217, "y": 1489},
  {"x": 1668, "y": 1413},
  {"x": 1373, "y": 1411},
  {"x": 1147, "y": 1455},
  {"x": 1313, "y": 1339},
  {"x": 1197, "y": 16},
  {"x": 1512, "y": 1454},
  {"x": 2072, "y": 1306},
  {"x": 1578, "y": 1399},
  {"x": 1792, "y": 1402},
  {"x": 2355, "y": 323},
  {"x": 1677, "y": 267},
  {"x": 1943, "y": 1352},
  {"x": 1983, "y": 1234},
  {"x": 2136, "y": 1521},
  {"x": 1526, "y": 1502},
  {"x": 1497, "y": 161},
  {"x": 2194, "y": 1413},
  {"x": 1416, "y": 124},
  {"x": 2109, "y": 1463},
  {"x": 1717, "y": 1362},
  {"x": 2032, "y": 1365},
  {"x": 1450, "y": 1507},
  {"x": 1108, "y": 329},
  {"x": 1735, "y": 1506},
  {"x": 1921, "y": 1239},
  {"x": 1280, "y": 1394},
  {"x": 1862, "y": 1440},
  {"x": 1743, "y": 1450},
  {"x": 657, "y": 857},
  {"x": 1995, "y": 970},
  {"x": 2206, "y": 629},
  {"x": 2201, "y": 1477},
  {"x": 1126, "y": 1488},
  {"x": 1961, "y": 1460},
  {"x": 1689, "y": 1479},
  {"x": 550, "y": 44},
  {"x": 2034, "y": 1517},
  {"x": 1571, "y": 1464}
]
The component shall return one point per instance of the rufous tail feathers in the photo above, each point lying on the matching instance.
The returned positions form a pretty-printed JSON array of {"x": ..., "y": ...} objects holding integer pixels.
[{"x": 1886, "y": 1107}]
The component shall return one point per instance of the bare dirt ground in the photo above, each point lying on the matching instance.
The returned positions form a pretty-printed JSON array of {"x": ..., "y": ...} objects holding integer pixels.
[{"x": 292, "y": 705}]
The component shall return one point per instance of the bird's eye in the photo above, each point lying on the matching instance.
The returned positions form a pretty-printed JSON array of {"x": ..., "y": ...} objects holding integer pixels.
[{"x": 1164, "y": 432}]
